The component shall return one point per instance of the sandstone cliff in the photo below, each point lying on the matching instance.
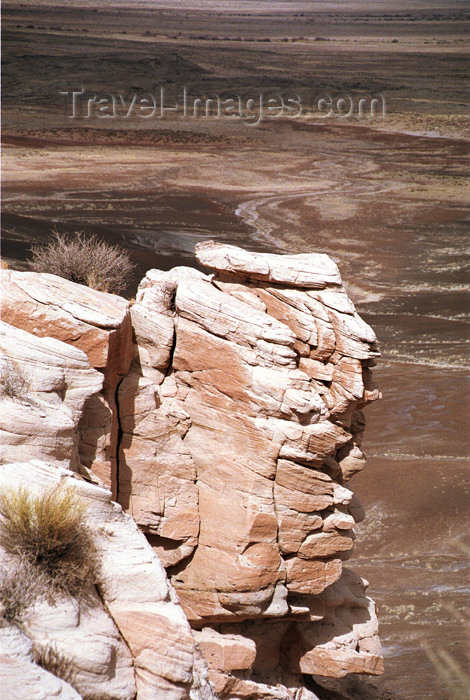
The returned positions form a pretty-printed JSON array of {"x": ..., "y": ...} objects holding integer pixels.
[{"x": 224, "y": 410}]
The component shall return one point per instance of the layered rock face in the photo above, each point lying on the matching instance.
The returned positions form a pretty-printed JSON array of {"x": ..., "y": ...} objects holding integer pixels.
[
  {"x": 225, "y": 410},
  {"x": 94, "y": 322},
  {"x": 48, "y": 384},
  {"x": 129, "y": 639},
  {"x": 241, "y": 422}
]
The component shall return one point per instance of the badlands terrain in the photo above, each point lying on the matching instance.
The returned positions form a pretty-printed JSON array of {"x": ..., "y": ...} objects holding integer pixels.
[{"x": 386, "y": 198}]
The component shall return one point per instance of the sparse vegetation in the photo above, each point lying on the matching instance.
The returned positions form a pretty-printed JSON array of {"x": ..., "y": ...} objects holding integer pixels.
[
  {"x": 49, "y": 657},
  {"x": 202, "y": 690},
  {"x": 12, "y": 381},
  {"x": 85, "y": 260},
  {"x": 20, "y": 585},
  {"x": 46, "y": 536}
]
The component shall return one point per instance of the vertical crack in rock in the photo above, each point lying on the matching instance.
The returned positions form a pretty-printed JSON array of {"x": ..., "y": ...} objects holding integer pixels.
[
  {"x": 119, "y": 438},
  {"x": 169, "y": 294},
  {"x": 157, "y": 472}
]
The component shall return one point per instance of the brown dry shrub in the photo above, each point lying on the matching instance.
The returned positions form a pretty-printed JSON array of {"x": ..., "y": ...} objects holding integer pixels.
[
  {"x": 48, "y": 532},
  {"x": 85, "y": 260},
  {"x": 50, "y": 658},
  {"x": 20, "y": 586}
]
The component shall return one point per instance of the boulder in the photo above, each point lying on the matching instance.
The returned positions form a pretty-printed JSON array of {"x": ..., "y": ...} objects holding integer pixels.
[{"x": 312, "y": 270}]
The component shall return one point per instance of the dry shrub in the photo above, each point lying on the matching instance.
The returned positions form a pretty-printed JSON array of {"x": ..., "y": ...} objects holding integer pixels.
[
  {"x": 48, "y": 531},
  {"x": 12, "y": 381},
  {"x": 48, "y": 657},
  {"x": 20, "y": 586},
  {"x": 202, "y": 690},
  {"x": 85, "y": 260}
]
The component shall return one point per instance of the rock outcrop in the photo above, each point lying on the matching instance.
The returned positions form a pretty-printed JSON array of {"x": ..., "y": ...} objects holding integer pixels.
[
  {"x": 129, "y": 636},
  {"x": 240, "y": 426},
  {"x": 233, "y": 405},
  {"x": 92, "y": 321},
  {"x": 45, "y": 387}
]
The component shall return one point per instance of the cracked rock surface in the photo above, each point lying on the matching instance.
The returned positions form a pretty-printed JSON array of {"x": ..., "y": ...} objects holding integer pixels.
[{"x": 228, "y": 422}]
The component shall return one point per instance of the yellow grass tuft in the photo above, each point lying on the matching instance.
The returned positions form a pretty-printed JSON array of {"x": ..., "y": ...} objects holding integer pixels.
[{"x": 47, "y": 533}]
